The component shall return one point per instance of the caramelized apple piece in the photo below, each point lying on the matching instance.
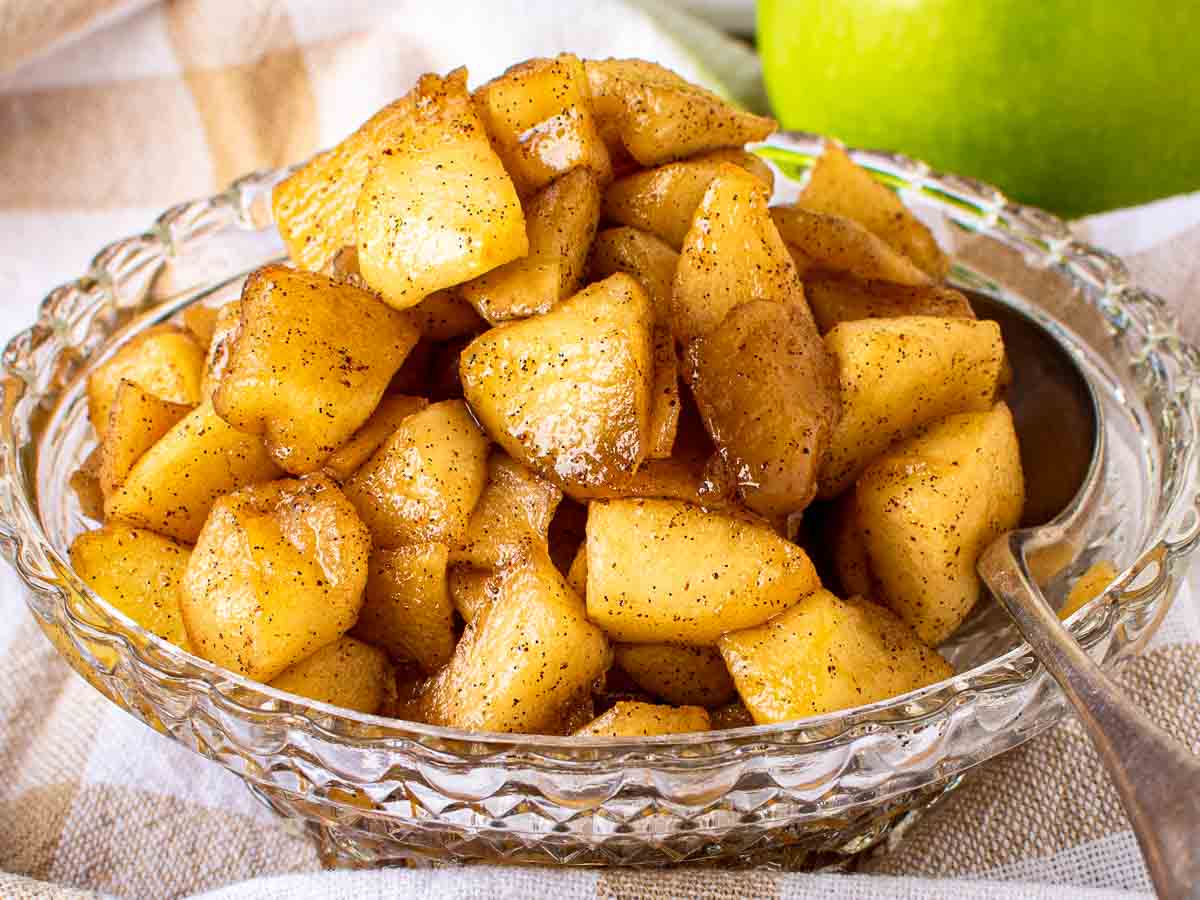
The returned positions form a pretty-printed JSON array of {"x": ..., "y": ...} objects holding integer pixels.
[
  {"x": 561, "y": 221},
  {"x": 568, "y": 393},
  {"x": 768, "y": 391},
  {"x": 164, "y": 361},
  {"x": 539, "y": 115},
  {"x": 407, "y": 610},
  {"x": 423, "y": 482},
  {"x": 663, "y": 200},
  {"x": 826, "y": 654},
  {"x": 437, "y": 207},
  {"x": 278, "y": 573},
  {"x": 309, "y": 363},
  {"x": 659, "y": 116}
]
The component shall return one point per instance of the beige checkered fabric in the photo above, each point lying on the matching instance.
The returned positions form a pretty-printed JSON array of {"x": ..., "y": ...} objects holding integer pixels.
[{"x": 111, "y": 110}]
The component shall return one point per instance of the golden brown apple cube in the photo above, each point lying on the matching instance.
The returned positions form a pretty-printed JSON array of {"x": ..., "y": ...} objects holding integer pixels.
[
  {"x": 836, "y": 245},
  {"x": 138, "y": 572},
  {"x": 732, "y": 254},
  {"x": 407, "y": 610},
  {"x": 136, "y": 421},
  {"x": 539, "y": 115},
  {"x": 826, "y": 654},
  {"x": 423, "y": 482},
  {"x": 899, "y": 374},
  {"x": 437, "y": 208},
  {"x": 663, "y": 200},
  {"x": 314, "y": 207},
  {"x": 662, "y": 570},
  {"x": 278, "y": 573},
  {"x": 837, "y": 300},
  {"x": 568, "y": 393},
  {"x": 309, "y": 363},
  {"x": 391, "y": 411},
  {"x": 839, "y": 187},
  {"x": 173, "y": 485},
  {"x": 527, "y": 659},
  {"x": 561, "y": 221},
  {"x": 928, "y": 507},
  {"x": 163, "y": 360},
  {"x": 346, "y": 673},
  {"x": 513, "y": 514},
  {"x": 767, "y": 389},
  {"x": 643, "y": 256},
  {"x": 660, "y": 116},
  {"x": 678, "y": 673},
  {"x": 632, "y": 719}
]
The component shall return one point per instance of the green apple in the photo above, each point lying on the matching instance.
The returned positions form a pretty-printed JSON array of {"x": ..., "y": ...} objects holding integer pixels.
[{"x": 1074, "y": 105}]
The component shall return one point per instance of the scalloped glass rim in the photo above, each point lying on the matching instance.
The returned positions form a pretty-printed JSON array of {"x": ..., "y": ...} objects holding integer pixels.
[{"x": 970, "y": 205}]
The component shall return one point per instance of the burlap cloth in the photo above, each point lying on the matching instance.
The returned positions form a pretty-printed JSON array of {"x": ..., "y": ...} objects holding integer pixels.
[{"x": 109, "y": 112}]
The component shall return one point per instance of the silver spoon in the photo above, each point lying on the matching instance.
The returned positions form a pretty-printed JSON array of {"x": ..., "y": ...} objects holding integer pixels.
[{"x": 1061, "y": 430}]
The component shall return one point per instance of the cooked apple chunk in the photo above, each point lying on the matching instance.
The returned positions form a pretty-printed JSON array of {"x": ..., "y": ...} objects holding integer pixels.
[
  {"x": 560, "y": 221},
  {"x": 314, "y": 207},
  {"x": 407, "y": 610},
  {"x": 824, "y": 243},
  {"x": 174, "y": 484},
  {"x": 278, "y": 572},
  {"x": 826, "y": 654},
  {"x": 439, "y": 317},
  {"x": 164, "y": 360},
  {"x": 837, "y": 300},
  {"x": 768, "y": 392},
  {"x": 526, "y": 660},
  {"x": 423, "y": 482},
  {"x": 445, "y": 315},
  {"x": 568, "y": 393},
  {"x": 662, "y": 570},
  {"x": 138, "y": 572},
  {"x": 663, "y": 200},
  {"x": 437, "y": 207},
  {"x": 391, "y": 411},
  {"x": 659, "y": 116},
  {"x": 664, "y": 399},
  {"x": 847, "y": 549},
  {"x": 136, "y": 421},
  {"x": 85, "y": 485},
  {"x": 216, "y": 359},
  {"x": 309, "y": 363},
  {"x": 631, "y": 719},
  {"x": 679, "y": 674},
  {"x": 1090, "y": 585},
  {"x": 643, "y": 256},
  {"x": 732, "y": 254},
  {"x": 929, "y": 506},
  {"x": 539, "y": 115},
  {"x": 840, "y": 188},
  {"x": 899, "y": 374},
  {"x": 472, "y": 590},
  {"x": 200, "y": 322},
  {"x": 346, "y": 673},
  {"x": 512, "y": 515},
  {"x": 577, "y": 571}
]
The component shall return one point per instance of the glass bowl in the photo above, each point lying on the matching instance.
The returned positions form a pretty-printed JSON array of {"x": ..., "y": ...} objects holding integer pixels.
[{"x": 379, "y": 791}]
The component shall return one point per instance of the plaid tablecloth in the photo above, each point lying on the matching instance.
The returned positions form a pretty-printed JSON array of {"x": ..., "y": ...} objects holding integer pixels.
[{"x": 112, "y": 110}]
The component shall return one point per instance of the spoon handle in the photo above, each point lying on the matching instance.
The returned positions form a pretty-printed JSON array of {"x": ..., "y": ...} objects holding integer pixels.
[{"x": 1157, "y": 778}]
